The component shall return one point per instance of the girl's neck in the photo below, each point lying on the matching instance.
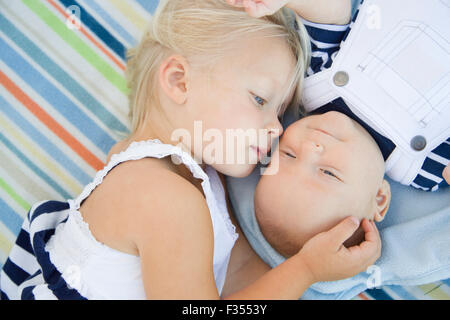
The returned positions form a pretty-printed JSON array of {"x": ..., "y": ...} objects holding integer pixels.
[
  {"x": 147, "y": 133},
  {"x": 164, "y": 135}
]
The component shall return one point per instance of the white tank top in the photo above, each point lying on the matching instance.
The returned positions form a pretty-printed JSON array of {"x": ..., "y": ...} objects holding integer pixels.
[{"x": 97, "y": 271}]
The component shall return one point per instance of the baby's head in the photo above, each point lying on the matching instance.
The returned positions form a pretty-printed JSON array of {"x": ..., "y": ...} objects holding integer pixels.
[
  {"x": 204, "y": 60},
  {"x": 329, "y": 167}
]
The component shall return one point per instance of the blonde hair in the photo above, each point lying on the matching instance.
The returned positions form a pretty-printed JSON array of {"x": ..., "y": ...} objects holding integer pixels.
[{"x": 202, "y": 28}]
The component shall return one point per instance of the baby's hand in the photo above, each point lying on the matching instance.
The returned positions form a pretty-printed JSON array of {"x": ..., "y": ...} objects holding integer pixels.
[
  {"x": 327, "y": 259},
  {"x": 259, "y": 8},
  {"x": 446, "y": 174}
]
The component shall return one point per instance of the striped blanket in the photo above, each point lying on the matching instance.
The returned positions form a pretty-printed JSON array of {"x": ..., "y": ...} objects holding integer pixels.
[{"x": 63, "y": 104}]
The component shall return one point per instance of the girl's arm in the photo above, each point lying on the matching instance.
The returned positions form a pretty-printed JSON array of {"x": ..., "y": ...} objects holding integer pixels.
[
  {"x": 446, "y": 173},
  {"x": 169, "y": 223},
  {"x": 287, "y": 281},
  {"x": 322, "y": 258}
]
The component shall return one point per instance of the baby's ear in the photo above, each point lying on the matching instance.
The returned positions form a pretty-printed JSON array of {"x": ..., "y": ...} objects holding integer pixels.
[{"x": 383, "y": 199}]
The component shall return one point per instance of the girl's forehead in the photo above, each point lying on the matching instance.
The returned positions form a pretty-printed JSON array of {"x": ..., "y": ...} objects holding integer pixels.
[{"x": 268, "y": 52}]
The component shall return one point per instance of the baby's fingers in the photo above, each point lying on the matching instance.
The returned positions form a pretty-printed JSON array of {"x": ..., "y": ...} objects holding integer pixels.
[
  {"x": 236, "y": 3},
  {"x": 446, "y": 174},
  {"x": 258, "y": 8}
]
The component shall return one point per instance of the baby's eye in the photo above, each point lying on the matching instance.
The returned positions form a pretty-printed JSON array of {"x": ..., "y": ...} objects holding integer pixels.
[
  {"x": 290, "y": 155},
  {"x": 328, "y": 172}
]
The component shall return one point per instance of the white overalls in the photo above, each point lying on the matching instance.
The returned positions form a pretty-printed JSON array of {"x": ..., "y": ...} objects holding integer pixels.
[{"x": 393, "y": 72}]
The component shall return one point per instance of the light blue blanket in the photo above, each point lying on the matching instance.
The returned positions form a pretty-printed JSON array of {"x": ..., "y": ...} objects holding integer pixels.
[{"x": 415, "y": 238}]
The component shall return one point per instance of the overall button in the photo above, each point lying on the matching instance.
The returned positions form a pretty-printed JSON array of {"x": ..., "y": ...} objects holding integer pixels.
[
  {"x": 418, "y": 143},
  {"x": 340, "y": 78}
]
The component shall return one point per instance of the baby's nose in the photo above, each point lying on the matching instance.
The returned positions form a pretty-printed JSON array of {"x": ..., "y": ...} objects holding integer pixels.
[
  {"x": 274, "y": 128},
  {"x": 311, "y": 149}
]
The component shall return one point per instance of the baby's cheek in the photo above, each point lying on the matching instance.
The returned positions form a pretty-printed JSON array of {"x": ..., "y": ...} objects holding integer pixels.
[{"x": 325, "y": 215}]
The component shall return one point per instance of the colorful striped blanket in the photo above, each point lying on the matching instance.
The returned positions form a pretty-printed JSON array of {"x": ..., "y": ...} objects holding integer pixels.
[{"x": 63, "y": 105}]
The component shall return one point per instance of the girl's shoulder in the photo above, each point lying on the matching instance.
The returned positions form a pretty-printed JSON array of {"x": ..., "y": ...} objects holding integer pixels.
[
  {"x": 136, "y": 194},
  {"x": 117, "y": 148},
  {"x": 155, "y": 165},
  {"x": 154, "y": 179}
]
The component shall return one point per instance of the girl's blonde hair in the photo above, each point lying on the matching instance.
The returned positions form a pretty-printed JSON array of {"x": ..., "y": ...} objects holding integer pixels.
[{"x": 203, "y": 28}]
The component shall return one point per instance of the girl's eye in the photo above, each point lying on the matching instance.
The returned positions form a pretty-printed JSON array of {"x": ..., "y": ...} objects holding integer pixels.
[{"x": 259, "y": 100}]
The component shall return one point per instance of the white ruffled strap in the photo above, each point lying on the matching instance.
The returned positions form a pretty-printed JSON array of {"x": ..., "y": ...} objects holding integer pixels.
[{"x": 142, "y": 149}]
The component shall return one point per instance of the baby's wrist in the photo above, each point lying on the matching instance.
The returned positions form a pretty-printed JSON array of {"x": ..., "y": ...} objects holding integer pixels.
[
  {"x": 298, "y": 6},
  {"x": 322, "y": 11}
]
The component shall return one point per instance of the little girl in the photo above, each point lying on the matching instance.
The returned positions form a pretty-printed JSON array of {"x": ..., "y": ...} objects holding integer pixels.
[{"x": 154, "y": 223}]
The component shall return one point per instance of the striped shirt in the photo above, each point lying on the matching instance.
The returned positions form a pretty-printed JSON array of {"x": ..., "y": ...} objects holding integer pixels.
[{"x": 325, "y": 44}]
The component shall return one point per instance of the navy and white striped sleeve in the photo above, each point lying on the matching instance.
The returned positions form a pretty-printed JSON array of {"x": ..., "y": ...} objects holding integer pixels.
[
  {"x": 430, "y": 175},
  {"x": 325, "y": 43}
]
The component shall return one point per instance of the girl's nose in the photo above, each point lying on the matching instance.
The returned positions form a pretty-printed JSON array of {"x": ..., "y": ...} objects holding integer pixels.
[{"x": 274, "y": 128}]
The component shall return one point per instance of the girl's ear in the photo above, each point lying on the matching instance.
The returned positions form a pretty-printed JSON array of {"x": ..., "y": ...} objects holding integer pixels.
[
  {"x": 383, "y": 199},
  {"x": 173, "y": 78}
]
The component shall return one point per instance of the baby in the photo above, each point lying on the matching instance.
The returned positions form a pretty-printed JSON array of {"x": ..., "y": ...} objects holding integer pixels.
[{"x": 327, "y": 167}]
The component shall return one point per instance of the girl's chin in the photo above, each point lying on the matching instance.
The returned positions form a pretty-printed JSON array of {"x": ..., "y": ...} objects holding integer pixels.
[{"x": 235, "y": 170}]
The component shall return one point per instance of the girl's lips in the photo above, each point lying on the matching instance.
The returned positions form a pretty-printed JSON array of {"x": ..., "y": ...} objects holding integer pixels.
[
  {"x": 257, "y": 151},
  {"x": 260, "y": 151}
]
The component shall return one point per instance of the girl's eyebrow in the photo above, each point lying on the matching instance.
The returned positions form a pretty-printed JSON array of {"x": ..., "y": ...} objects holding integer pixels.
[
  {"x": 268, "y": 84},
  {"x": 269, "y": 81}
]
